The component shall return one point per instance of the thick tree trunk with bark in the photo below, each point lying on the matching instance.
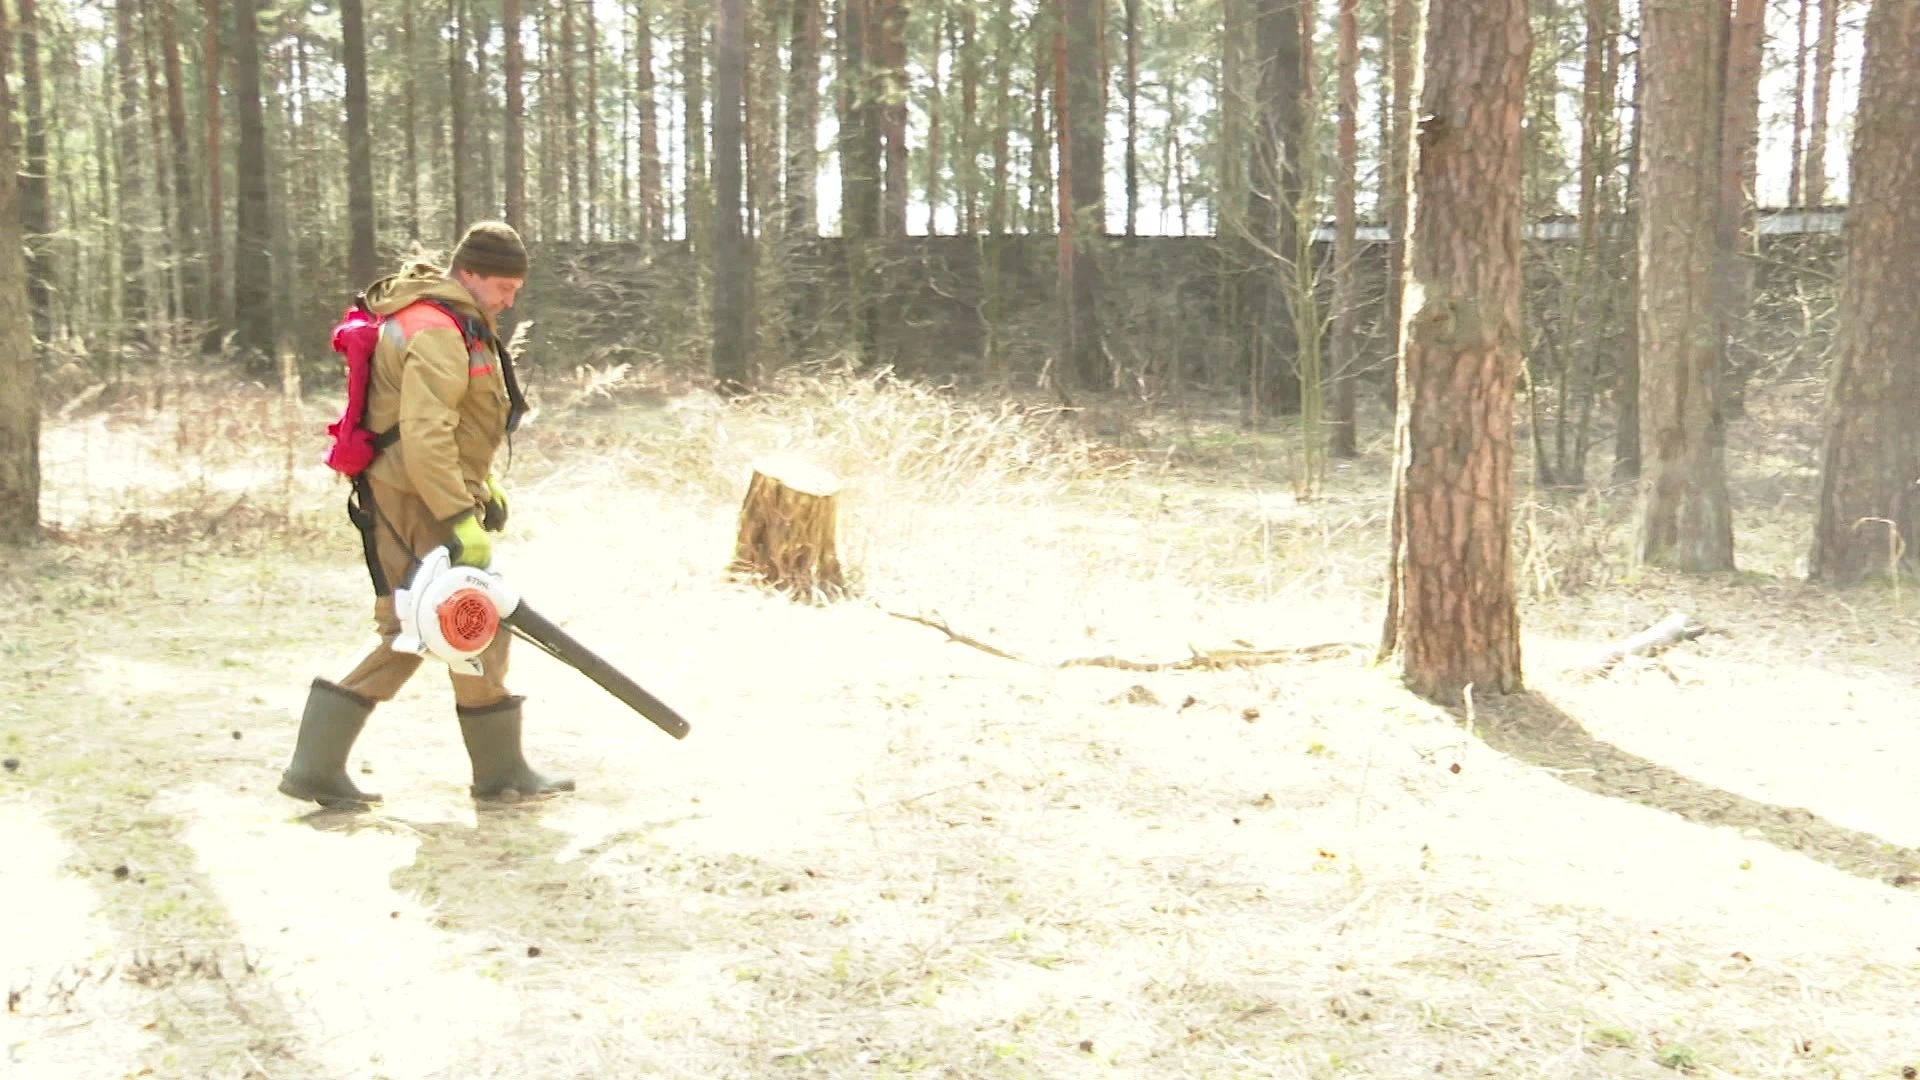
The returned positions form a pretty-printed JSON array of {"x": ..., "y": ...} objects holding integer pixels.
[
  {"x": 732, "y": 264},
  {"x": 253, "y": 226},
  {"x": 1869, "y": 510},
  {"x": 1404, "y": 26},
  {"x": 1739, "y": 170},
  {"x": 891, "y": 91},
  {"x": 1276, "y": 180},
  {"x": 1686, "y": 519},
  {"x": 1451, "y": 618},
  {"x": 514, "y": 148},
  {"x": 803, "y": 120},
  {"x": 19, "y": 359},
  {"x": 1343, "y": 441},
  {"x": 36, "y": 210},
  {"x": 363, "y": 260}
]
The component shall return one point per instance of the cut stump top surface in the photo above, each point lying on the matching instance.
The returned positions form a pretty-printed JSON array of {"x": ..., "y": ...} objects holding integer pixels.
[{"x": 799, "y": 476}]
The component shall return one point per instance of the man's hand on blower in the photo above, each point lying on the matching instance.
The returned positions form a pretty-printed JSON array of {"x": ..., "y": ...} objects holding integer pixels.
[
  {"x": 495, "y": 517},
  {"x": 470, "y": 546}
]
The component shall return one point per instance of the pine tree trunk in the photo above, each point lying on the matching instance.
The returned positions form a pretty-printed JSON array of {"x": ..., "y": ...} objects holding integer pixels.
[
  {"x": 514, "y": 151},
  {"x": 1132, "y": 16},
  {"x": 410, "y": 99},
  {"x": 210, "y": 60},
  {"x": 1451, "y": 617},
  {"x": 167, "y": 238},
  {"x": 1346, "y": 314},
  {"x": 19, "y": 360},
  {"x": 732, "y": 265},
  {"x": 36, "y": 211},
  {"x": 1273, "y": 202},
  {"x": 1816, "y": 185},
  {"x": 130, "y": 170},
  {"x": 697, "y": 17},
  {"x": 1872, "y": 449},
  {"x": 486, "y": 202},
  {"x": 935, "y": 111},
  {"x": 1404, "y": 57},
  {"x": 1796, "y": 172},
  {"x": 1626, "y": 425},
  {"x": 363, "y": 259},
  {"x": 803, "y": 120},
  {"x": 653, "y": 219},
  {"x": 1686, "y": 520},
  {"x": 186, "y": 216},
  {"x": 253, "y": 226},
  {"x": 999, "y": 215},
  {"x": 1594, "y": 301},
  {"x": 966, "y": 156},
  {"x": 594, "y": 227},
  {"x": 1041, "y": 211},
  {"x": 20, "y": 364},
  {"x": 1081, "y": 119},
  {"x": 1739, "y": 169},
  {"x": 892, "y": 107},
  {"x": 458, "y": 136}
]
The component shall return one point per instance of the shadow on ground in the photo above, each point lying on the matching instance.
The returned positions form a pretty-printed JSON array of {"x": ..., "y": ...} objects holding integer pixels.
[{"x": 1533, "y": 729}]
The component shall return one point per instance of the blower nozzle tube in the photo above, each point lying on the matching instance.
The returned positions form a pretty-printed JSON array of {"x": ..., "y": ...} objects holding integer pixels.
[{"x": 542, "y": 632}]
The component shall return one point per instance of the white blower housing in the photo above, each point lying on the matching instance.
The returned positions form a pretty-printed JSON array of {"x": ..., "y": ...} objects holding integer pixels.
[{"x": 452, "y": 613}]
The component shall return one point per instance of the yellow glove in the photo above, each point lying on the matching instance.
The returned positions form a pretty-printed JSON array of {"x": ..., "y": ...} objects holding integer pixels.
[
  {"x": 495, "y": 517},
  {"x": 470, "y": 546}
]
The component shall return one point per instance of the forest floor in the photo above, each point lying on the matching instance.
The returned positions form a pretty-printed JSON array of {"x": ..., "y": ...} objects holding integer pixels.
[{"x": 884, "y": 853}]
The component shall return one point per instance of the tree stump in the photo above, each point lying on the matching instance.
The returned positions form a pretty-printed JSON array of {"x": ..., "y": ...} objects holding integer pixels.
[{"x": 788, "y": 527}]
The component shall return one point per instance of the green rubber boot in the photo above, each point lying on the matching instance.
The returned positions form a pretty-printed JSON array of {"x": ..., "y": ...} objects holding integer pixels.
[
  {"x": 500, "y": 772},
  {"x": 318, "y": 772}
]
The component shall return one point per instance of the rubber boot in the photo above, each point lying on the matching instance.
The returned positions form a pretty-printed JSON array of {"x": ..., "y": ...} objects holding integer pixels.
[
  {"x": 318, "y": 772},
  {"x": 500, "y": 772}
]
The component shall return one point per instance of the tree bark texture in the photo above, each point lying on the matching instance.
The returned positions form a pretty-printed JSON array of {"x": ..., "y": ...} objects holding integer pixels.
[
  {"x": 653, "y": 217},
  {"x": 1739, "y": 171},
  {"x": 1343, "y": 437},
  {"x": 130, "y": 170},
  {"x": 363, "y": 260},
  {"x": 1685, "y": 517},
  {"x": 1872, "y": 451},
  {"x": 1816, "y": 184},
  {"x": 1081, "y": 122},
  {"x": 36, "y": 209},
  {"x": 1275, "y": 182},
  {"x": 19, "y": 359},
  {"x": 891, "y": 102},
  {"x": 216, "y": 204},
  {"x": 803, "y": 120},
  {"x": 1405, "y": 27},
  {"x": 513, "y": 151},
  {"x": 732, "y": 266},
  {"x": 253, "y": 228},
  {"x": 1451, "y": 617},
  {"x": 789, "y": 525}
]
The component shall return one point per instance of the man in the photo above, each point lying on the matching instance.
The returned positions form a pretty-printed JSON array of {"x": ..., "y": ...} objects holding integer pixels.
[{"x": 443, "y": 398}]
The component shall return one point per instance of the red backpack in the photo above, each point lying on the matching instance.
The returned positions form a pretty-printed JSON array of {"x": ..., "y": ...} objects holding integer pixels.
[{"x": 355, "y": 337}]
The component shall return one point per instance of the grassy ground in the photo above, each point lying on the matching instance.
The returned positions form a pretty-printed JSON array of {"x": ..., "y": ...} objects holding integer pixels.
[{"x": 883, "y": 853}]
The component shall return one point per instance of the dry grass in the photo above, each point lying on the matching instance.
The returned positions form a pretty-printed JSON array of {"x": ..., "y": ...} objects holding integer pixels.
[{"x": 884, "y": 854}]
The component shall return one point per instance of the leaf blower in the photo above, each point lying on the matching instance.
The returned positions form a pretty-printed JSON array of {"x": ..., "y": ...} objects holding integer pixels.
[{"x": 452, "y": 613}]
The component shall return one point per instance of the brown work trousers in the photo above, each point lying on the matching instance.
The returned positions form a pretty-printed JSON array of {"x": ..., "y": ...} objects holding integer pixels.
[{"x": 403, "y": 526}]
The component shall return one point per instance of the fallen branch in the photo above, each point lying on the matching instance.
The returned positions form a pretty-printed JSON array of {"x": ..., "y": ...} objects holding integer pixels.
[
  {"x": 1668, "y": 632},
  {"x": 1219, "y": 659},
  {"x": 1215, "y": 660}
]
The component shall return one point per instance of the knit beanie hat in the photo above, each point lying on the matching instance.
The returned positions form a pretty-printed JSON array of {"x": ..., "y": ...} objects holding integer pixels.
[{"x": 491, "y": 249}]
